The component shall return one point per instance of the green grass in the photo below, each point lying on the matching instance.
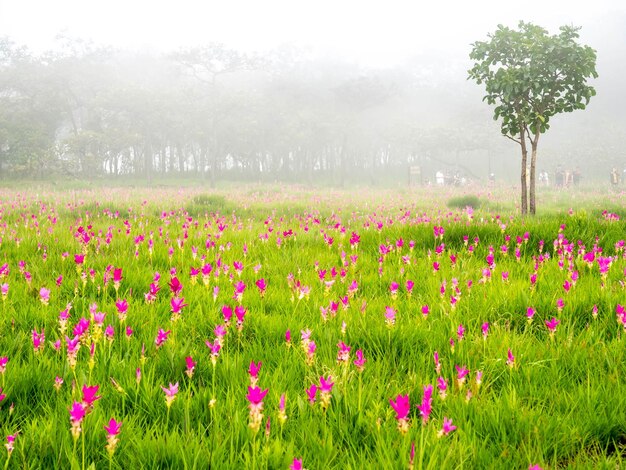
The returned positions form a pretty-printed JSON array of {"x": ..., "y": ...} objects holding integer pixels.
[{"x": 562, "y": 404}]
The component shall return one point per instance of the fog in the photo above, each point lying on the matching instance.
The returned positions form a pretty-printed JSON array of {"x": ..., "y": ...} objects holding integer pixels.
[{"x": 347, "y": 94}]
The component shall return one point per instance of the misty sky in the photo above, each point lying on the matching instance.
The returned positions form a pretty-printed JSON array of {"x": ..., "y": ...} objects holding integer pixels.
[{"x": 371, "y": 33}]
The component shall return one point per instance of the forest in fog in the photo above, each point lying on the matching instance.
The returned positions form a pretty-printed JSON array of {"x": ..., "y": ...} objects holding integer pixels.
[{"x": 213, "y": 113}]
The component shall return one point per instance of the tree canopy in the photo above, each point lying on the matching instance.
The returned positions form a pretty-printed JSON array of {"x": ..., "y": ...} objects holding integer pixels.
[{"x": 531, "y": 76}]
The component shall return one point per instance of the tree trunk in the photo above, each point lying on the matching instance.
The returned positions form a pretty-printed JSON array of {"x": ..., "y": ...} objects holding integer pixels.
[
  {"x": 523, "y": 173},
  {"x": 533, "y": 164}
]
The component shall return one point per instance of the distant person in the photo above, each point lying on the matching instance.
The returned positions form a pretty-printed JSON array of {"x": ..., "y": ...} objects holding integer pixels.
[
  {"x": 492, "y": 178},
  {"x": 439, "y": 178},
  {"x": 614, "y": 177},
  {"x": 559, "y": 177},
  {"x": 576, "y": 176}
]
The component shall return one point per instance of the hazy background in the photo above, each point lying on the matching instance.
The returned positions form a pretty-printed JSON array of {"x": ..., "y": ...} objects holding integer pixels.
[{"x": 338, "y": 92}]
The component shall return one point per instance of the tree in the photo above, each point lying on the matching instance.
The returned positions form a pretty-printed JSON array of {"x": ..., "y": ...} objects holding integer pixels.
[{"x": 531, "y": 76}]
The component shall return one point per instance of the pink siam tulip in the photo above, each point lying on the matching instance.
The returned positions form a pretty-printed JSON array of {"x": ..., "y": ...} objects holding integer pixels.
[
  {"x": 122, "y": 309},
  {"x": 343, "y": 355},
  {"x": 261, "y": 285},
  {"x": 253, "y": 373},
  {"x": 255, "y": 396},
  {"x": 73, "y": 345},
  {"x": 112, "y": 429},
  {"x": 4, "y": 290},
  {"x": 170, "y": 394},
  {"x": 485, "y": 329},
  {"x": 215, "y": 350},
  {"x": 390, "y": 316},
  {"x": 117, "y": 278},
  {"x": 10, "y": 444},
  {"x": 90, "y": 396},
  {"x": 177, "y": 304},
  {"x": 437, "y": 362},
  {"x": 510, "y": 360},
  {"x": 282, "y": 416},
  {"x": 530, "y": 313},
  {"x": 460, "y": 332},
  {"x": 311, "y": 393},
  {"x": 620, "y": 312},
  {"x": 442, "y": 385},
  {"x": 462, "y": 372},
  {"x": 109, "y": 333},
  {"x": 402, "y": 407},
  {"x": 240, "y": 287},
  {"x": 77, "y": 414},
  {"x": 296, "y": 464},
  {"x": 175, "y": 286},
  {"x": 447, "y": 428},
  {"x": 191, "y": 365},
  {"x": 552, "y": 324},
  {"x": 425, "y": 311},
  {"x": 310, "y": 354},
  {"x": 3, "y": 364},
  {"x": 240, "y": 313},
  {"x": 326, "y": 387},
  {"x": 39, "y": 340},
  {"x": 359, "y": 362},
  {"x": 220, "y": 332},
  {"x": 227, "y": 313},
  {"x": 426, "y": 406},
  {"x": 44, "y": 295},
  {"x": 393, "y": 289},
  {"x": 161, "y": 337}
]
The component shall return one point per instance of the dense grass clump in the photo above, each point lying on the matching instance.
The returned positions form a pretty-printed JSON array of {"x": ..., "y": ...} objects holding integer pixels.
[{"x": 260, "y": 328}]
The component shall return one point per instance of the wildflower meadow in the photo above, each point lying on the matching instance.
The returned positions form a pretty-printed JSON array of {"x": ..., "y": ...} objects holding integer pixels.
[{"x": 296, "y": 328}]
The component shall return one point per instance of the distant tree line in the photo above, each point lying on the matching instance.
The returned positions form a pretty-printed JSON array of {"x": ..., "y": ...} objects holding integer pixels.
[{"x": 214, "y": 113}]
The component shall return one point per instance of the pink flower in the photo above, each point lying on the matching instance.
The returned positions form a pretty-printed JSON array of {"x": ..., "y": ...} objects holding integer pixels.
[
  {"x": 38, "y": 340},
  {"x": 215, "y": 350},
  {"x": 359, "y": 362},
  {"x": 240, "y": 313},
  {"x": 460, "y": 332},
  {"x": 44, "y": 295},
  {"x": 426, "y": 406},
  {"x": 255, "y": 395},
  {"x": 10, "y": 443},
  {"x": 227, "y": 313},
  {"x": 312, "y": 393},
  {"x": 112, "y": 429},
  {"x": 510, "y": 361},
  {"x": 240, "y": 287},
  {"x": 447, "y": 428},
  {"x": 552, "y": 324},
  {"x": 122, "y": 308},
  {"x": 343, "y": 355},
  {"x": 296, "y": 464},
  {"x": 530, "y": 313},
  {"x": 390, "y": 316},
  {"x": 170, "y": 393},
  {"x": 442, "y": 385},
  {"x": 3, "y": 364},
  {"x": 253, "y": 372},
  {"x": 261, "y": 285},
  {"x": 485, "y": 329},
  {"x": 401, "y": 406},
  {"x": 77, "y": 413},
  {"x": 177, "y": 304},
  {"x": 425, "y": 310},
  {"x": 161, "y": 337},
  {"x": 175, "y": 286},
  {"x": 191, "y": 364},
  {"x": 89, "y": 396},
  {"x": 461, "y": 374}
]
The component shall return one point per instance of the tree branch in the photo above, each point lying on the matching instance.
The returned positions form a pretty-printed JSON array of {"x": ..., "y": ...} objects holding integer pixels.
[{"x": 512, "y": 138}]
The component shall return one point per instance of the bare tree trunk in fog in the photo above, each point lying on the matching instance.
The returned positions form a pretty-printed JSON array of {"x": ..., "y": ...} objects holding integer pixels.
[
  {"x": 523, "y": 173},
  {"x": 533, "y": 164}
]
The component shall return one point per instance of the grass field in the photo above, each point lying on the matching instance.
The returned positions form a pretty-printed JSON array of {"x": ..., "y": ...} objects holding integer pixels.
[{"x": 269, "y": 327}]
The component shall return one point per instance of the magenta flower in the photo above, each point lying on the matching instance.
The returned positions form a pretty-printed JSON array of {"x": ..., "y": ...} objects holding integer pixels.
[
  {"x": 425, "y": 310},
  {"x": 437, "y": 363},
  {"x": 343, "y": 355},
  {"x": 253, "y": 372},
  {"x": 261, "y": 285},
  {"x": 552, "y": 324},
  {"x": 175, "y": 286},
  {"x": 10, "y": 443},
  {"x": 90, "y": 396},
  {"x": 4, "y": 289},
  {"x": 461, "y": 374},
  {"x": 442, "y": 385},
  {"x": 288, "y": 338},
  {"x": 359, "y": 362},
  {"x": 401, "y": 406},
  {"x": 77, "y": 414},
  {"x": 312, "y": 393},
  {"x": 255, "y": 395},
  {"x": 177, "y": 304},
  {"x": 191, "y": 364},
  {"x": 530, "y": 313},
  {"x": 240, "y": 313},
  {"x": 112, "y": 429},
  {"x": 485, "y": 329},
  {"x": 240, "y": 287},
  {"x": 2, "y": 395},
  {"x": 510, "y": 361},
  {"x": 44, "y": 295},
  {"x": 122, "y": 308},
  {"x": 460, "y": 332},
  {"x": 39, "y": 340},
  {"x": 426, "y": 406},
  {"x": 227, "y": 313},
  {"x": 447, "y": 428},
  {"x": 215, "y": 350},
  {"x": 161, "y": 337},
  {"x": 282, "y": 416},
  {"x": 170, "y": 393},
  {"x": 3, "y": 364},
  {"x": 390, "y": 316},
  {"x": 296, "y": 464}
]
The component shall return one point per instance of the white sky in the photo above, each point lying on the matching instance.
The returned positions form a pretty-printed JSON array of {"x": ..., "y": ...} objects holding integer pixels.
[{"x": 371, "y": 32}]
